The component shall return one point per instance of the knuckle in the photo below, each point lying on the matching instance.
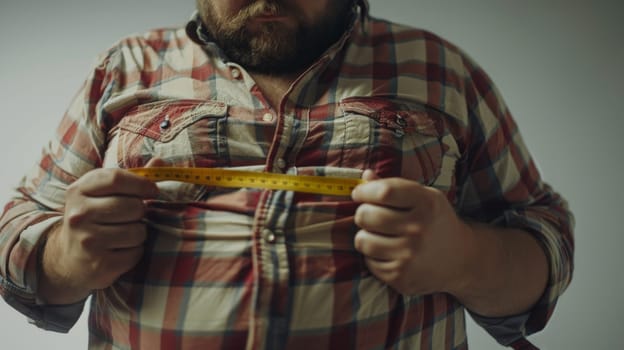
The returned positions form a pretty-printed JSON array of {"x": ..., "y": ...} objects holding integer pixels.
[
  {"x": 359, "y": 241},
  {"x": 76, "y": 215},
  {"x": 96, "y": 265},
  {"x": 365, "y": 216},
  {"x": 412, "y": 228},
  {"x": 385, "y": 191},
  {"x": 89, "y": 243},
  {"x": 114, "y": 177},
  {"x": 361, "y": 214},
  {"x": 436, "y": 198},
  {"x": 73, "y": 189},
  {"x": 110, "y": 176}
]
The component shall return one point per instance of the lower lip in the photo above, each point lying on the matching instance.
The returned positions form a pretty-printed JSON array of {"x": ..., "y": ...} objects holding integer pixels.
[{"x": 271, "y": 18}]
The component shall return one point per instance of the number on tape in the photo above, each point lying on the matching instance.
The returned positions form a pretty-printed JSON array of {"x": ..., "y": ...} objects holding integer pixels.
[{"x": 336, "y": 186}]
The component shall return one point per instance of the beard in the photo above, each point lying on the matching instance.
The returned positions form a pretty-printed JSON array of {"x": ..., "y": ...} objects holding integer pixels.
[{"x": 275, "y": 48}]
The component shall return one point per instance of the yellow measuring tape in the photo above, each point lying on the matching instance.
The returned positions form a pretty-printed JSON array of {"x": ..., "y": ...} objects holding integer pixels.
[{"x": 218, "y": 177}]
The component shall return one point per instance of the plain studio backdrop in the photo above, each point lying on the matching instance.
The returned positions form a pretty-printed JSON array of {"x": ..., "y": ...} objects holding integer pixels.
[{"x": 558, "y": 64}]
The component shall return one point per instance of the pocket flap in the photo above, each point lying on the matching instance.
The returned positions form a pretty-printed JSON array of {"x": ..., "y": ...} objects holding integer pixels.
[
  {"x": 394, "y": 115},
  {"x": 163, "y": 120}
]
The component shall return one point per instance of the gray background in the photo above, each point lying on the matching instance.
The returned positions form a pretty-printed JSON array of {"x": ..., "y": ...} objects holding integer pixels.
[{"x": 558, "y": 63}]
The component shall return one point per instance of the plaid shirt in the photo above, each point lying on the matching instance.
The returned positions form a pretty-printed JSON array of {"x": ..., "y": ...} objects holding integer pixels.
[{"x": 271, "y": 269}]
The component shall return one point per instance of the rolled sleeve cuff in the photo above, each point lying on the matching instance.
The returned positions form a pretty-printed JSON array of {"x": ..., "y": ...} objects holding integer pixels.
[
  {"x": 506, "y": 330},
  {"x": 22, "y": 294},
  {"x": 57, "y": 318},
  {"x": 559, "y": 257}
]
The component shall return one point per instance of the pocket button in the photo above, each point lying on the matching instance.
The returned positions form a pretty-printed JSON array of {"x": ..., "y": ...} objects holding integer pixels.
[
  {"x": 281, "y": 163},
  {"x": 267, "y": 117},
  {"x": 401, "y": 121},
  {"x": 399, "y": 133},
  {"x": 269, "y": 236},
  {"x": 165, "y": 124}
]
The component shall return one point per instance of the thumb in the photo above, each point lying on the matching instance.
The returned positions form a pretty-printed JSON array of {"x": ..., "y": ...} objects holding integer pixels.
[
  {"x": 155, "y": 162},
  {"x": 369, "y": 175}
]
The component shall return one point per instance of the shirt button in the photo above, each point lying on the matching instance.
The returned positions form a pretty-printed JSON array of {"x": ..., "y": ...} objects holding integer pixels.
[
  {"x": 267, "y": 117},
  {"x": 236, "y": 73},
  {"x": 401, "y": 121},
  {"x": 399, "y": 133},
  {"x": 165, "y": 124},
  {"x": 281, "y": 163},
  {"x": 269, "y": 236}
]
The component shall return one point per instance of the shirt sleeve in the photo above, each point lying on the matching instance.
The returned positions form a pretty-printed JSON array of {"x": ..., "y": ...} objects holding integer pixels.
[
  {"x": 499, "y": 183},
  {"x": 38, "y": 201}
]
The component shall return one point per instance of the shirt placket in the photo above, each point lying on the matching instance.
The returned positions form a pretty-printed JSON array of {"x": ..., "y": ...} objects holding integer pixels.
[{"x": 270, "y": 316}]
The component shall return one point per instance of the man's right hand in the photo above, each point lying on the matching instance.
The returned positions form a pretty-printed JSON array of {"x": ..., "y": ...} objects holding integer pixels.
[{"x": 100, "y": 237}]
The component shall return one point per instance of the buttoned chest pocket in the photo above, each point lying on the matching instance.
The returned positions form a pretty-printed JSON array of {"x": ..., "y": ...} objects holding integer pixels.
[
  {"x": 394, "y": 139},
  {"x": 183, "y": 133}
]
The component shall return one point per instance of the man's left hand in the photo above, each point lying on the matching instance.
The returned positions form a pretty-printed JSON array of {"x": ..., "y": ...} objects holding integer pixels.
[{"x": 411, "y": 237}]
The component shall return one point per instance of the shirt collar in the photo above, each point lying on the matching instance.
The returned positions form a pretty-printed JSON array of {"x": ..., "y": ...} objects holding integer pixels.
[
  {"x": 196, "y": 31},
  {"x": 364, "y": 10}
]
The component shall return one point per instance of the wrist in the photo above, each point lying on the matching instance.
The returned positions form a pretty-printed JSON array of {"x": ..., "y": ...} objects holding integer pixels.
[
  {"x": 506, "y": 273},
  {"x": 55, "y": 285},
  {"x": 484, "y": 259}
]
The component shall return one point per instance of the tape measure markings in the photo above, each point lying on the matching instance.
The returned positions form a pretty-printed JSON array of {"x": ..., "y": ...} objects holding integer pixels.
[{"x": 230, "y": 178}]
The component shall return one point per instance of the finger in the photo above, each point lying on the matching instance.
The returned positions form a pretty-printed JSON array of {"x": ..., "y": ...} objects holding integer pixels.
[
  {"x": 393, "y": 192},
  {"x": 378, "y": 247},
  {"x": 386, "y": 220},
  {"x": 127, "y": 236},
  {"x": 107, "y": 210},
  {"x": 115, "y": 237},
  {"x": 385, "y": 270},
  {"x": 369, "y": 175},
  {"x": 379, "y": 266},
  {"x": 110, "y": 182}
]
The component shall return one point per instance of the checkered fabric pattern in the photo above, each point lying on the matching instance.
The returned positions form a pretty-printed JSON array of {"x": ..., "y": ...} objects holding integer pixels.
[{"x": 271, "y": 269}]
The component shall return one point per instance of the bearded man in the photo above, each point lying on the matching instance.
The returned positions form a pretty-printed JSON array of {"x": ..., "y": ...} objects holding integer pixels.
[{"x": 451, "y": 213}]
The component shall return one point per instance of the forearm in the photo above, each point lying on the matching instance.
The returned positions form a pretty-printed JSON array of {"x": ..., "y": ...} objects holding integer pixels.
[{"x": 507, "y": 274}]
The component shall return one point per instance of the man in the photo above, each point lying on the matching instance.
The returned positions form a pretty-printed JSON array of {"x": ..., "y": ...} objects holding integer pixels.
[{"x": 452, "y": 214}]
